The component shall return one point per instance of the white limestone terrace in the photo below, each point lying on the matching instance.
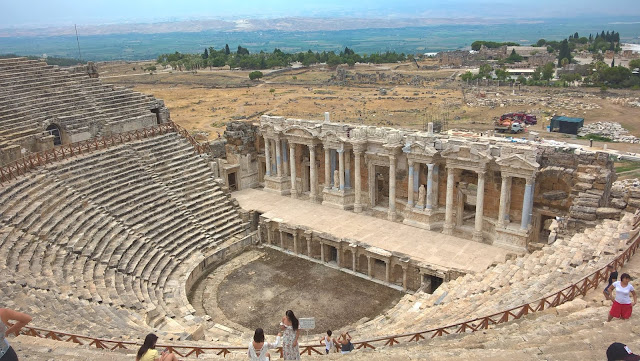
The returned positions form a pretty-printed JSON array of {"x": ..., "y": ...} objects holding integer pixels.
[
  {"x": 103, "y": 244},
  {"x": 35, "y": 96}
]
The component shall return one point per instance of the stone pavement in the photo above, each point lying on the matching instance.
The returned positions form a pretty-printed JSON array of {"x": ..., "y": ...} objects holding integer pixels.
[{"x": 421, "y": 245}]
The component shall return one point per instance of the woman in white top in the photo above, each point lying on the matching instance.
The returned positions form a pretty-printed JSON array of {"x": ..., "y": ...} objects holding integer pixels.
[
  {"x": 328, "y": 342},
  {"x": 259, "y": 349},
  {"x": 622, "y": 305}
]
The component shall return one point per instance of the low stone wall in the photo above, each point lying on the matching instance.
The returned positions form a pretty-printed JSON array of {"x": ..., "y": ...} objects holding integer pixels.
[{"x": 625, "y": 195}]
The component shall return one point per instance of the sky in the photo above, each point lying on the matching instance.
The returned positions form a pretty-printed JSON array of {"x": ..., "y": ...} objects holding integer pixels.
[{"x": 35, "y": 13}]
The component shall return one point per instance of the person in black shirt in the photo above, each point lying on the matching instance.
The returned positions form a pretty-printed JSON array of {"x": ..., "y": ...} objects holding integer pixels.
[{"x": 613, "y": 276}]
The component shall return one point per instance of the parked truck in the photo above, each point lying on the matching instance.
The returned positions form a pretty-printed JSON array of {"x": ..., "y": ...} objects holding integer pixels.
[
  {"x": 527, "y": 119},
  {"x": 508, "y": 126}
]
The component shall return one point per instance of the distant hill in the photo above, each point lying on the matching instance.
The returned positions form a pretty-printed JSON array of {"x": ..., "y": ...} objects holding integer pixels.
[{"x": 280, "y": 24}]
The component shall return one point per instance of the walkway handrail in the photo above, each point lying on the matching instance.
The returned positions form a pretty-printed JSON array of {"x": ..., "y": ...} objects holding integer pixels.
[
  {"x": 32, "y": 161},
  {"x": 564, "y": 295}
]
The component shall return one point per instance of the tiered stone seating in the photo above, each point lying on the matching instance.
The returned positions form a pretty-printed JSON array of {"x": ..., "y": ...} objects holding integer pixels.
[
  {"x": 32, "y": 93},
  {"x": 506, "y": 285},
  {"x": 110, "y": 235}
]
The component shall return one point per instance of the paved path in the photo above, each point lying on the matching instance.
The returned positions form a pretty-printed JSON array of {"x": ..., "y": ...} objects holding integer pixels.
[{"x": 421, "y": 245}]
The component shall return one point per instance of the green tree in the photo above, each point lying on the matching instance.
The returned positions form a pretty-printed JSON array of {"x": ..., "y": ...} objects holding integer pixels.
[
  {"x": 226, "y": 49},
  {"x": 547, "y": 71},
  {"x": 564, "y": 52},
  {"x": 502, "y": 74},
  {"x": 205, "y": 55},
  {"x": 255, "y": 75},
  {"x": 485, "y": 71},
  {"x": 466, "y": 76},
  {"x": 635, "y": 63}
]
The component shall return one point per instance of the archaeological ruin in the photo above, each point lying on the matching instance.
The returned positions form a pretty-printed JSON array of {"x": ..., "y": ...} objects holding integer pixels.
[{"x": 111, "y": 216}]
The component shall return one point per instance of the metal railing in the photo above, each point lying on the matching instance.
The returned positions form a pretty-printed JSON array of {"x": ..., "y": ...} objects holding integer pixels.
[
  {"x": 34, "y": 160},
  {"x": 564, "y": 295}
]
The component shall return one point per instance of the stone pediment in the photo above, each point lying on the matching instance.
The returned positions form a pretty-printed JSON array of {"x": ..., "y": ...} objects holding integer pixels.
[
  {"x": 467, "y": 154},
  {"x": 517, "y": 162},
  {"x": 300, "y": 132},
  {"x": 420, "y": 148}
]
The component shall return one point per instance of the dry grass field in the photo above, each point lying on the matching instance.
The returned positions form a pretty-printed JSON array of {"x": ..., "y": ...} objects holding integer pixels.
[{"x": 204, "y": 101}]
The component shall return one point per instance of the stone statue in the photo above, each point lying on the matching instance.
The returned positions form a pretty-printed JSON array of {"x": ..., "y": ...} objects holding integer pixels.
[
  {"x": 336, "y": 179},
  {"x": 421, "y": 196}
]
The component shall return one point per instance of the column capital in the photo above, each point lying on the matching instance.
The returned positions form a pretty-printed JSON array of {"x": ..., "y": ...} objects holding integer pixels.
[
  {"x": 430, "y": 166},
  {"x": 410, "y": 161},
  {"x": 505, "y": 177},
  {"x": 530, "y": 179},
  {"x": 340, "y": 151},
  {"x": 481, "y": 174}
]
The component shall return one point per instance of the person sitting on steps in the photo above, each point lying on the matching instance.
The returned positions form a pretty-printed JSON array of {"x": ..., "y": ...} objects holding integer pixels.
[{"x": 259, "y": 349}]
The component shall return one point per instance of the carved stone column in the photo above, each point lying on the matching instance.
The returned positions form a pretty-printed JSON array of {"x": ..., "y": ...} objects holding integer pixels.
[
  {"x": 503, "y": 211},
  {"x": 295, "y": 242},
  {"x": 387, "y": 271},
  {"x": 321, "y": 252},
  {"x": 404, "y": 278},
  {"x": 267, "y": 155},
  {"x": 392, "y": 188},
  {"x": 281, "y": 239},
  {"x": 313, "y": 173},
  {"x": 410, "y": 184},
  {"x": 341, "y": 167},
  {"x": 448, "y": 216},
  {"x": 527, "y": 204},
  {"x": 369, "y": 266},
  {"x": 477, "y": 234},
  {"x": 430, "y": 186},
  {"x": 327, "y": 168},
  {"x": 357, "y": 205},
  {"x": 292, "y": 165},
  {"x": 353, "y": 252},
  {"x": 278, "y": 158}
]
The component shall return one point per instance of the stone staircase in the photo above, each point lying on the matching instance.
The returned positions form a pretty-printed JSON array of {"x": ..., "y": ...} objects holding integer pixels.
[
  {"x": 34, "y": 94},
  {"x": 505, "y": 286},
  {"x": 99, "y": 244}
]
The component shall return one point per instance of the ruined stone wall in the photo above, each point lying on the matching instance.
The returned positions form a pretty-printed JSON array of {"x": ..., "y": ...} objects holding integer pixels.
[
  {"x": 575, "y": 185},
  {"x": 241, "y": 150}
]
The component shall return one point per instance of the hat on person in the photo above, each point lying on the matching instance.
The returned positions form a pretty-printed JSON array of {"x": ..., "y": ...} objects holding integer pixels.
[{"x": 620, "y": 351}]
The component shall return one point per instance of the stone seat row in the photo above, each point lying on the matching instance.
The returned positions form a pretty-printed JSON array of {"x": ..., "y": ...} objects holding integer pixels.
[
  {"x": 507, "y": 285},
  {"x": 84, "y": 228}
]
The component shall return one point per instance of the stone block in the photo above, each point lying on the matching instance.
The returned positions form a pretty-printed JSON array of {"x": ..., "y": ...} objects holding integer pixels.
[
  {"x": 587, "y": 202},
  {"x": 555, "y": 195},
  {"x": 584, "y": 216},
  {"x": 586, "y": 178},
  {"x": 618, "y": 203},
  {"x": 633, "y": 202},
  {"x": 583, "y": 209},
  {"x": 583, "y": 186},
  {"x": 607, "y": 213},
  {"x": 634, "y": 192}
]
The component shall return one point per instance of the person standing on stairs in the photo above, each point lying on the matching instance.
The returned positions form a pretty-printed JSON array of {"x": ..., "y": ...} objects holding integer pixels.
[
  {"x": 622, "y": 305},
  {"x": 7, "y": 328},
  {"x": 613, "y": 276}
]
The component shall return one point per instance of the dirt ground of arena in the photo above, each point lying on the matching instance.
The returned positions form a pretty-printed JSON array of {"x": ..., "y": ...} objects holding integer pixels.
[{"x": 258, "y": 293}]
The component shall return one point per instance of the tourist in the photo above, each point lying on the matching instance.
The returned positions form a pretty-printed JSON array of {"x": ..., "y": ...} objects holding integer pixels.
[
  {"x": 289, "y": 325},
  {"x": 7, "y": 328},
  {"x": 328, "y": 342},
  {"x": 622, "y": 304},
  {"x": 258, "y": 349},
  {"x": 147, "y": 351},
  {"x": 613, "y": 276},
  {"x": 619, "y": 351},
  {"x": 345, "y": 343}
]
